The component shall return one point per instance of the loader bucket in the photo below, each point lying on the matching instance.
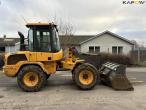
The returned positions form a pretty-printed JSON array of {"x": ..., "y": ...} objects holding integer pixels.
[{"x": 114, "y": 75}]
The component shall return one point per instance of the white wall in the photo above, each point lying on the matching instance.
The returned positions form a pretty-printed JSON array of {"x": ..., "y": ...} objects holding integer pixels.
[
  {"x": 17, "y": 46},
  {"x": 78, "y": 48},
  {"x": 106, "y": 41},
  {"x": 10, "y": 49}
]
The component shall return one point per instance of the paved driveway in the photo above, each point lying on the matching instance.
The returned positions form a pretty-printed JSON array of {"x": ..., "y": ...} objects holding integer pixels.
[{"x": 61, "y": 94}]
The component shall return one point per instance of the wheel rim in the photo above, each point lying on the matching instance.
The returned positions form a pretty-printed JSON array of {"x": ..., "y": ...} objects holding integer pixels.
[
  {"x": 86, "y": 77},
  {"x": 31, "y": 79}
]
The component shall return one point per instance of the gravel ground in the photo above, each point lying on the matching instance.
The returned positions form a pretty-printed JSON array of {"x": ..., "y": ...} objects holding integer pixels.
[{"x": 61, "y": 94}]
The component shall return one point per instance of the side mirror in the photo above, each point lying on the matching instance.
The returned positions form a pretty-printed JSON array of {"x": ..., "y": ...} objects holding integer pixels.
[{"x": 22, "y": 45}]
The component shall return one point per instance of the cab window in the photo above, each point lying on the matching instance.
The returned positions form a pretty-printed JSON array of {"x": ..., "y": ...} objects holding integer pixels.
[{"x": 43, "y": 41}]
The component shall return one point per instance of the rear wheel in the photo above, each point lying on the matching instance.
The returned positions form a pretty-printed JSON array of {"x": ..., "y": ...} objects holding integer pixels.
[
  {"x": 31, "y": 78},
  {"x": 85, "y": 76}
]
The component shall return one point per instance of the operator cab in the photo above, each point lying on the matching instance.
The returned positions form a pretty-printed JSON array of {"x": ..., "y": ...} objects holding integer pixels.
[{"x": 43, "y": 37}]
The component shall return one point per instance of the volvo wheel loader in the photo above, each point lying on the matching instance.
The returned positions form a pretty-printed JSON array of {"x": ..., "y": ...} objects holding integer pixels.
[
  {"x": 33, "y": 66},
  {"x": 43, "y": 56}
]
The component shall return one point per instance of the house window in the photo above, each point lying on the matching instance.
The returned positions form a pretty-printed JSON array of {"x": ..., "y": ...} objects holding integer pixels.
[
  {"x": 91, "y": 49},
  {"x": 117, "y": 50},
  {"x": 120, "y": 50},
  {"x": 97, "y": 49},
  {"x": 114, "y": 50},
  {"x": 94, "y": 49},
  {"x": 2, "y": 49}
]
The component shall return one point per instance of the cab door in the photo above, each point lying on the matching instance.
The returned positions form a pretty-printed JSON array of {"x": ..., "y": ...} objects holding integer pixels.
[
  {"x": 31, "y": 54},
  {"x": 43, "y": 45}
]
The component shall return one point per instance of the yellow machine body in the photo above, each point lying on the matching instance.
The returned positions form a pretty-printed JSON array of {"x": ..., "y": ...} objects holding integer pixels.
[
  {"x": 32, "y": 58},
  {"x": 40, "y": 59}
]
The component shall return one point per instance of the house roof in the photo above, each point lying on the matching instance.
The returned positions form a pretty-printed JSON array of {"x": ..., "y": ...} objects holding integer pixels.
[
  {"x": 8, "y": 41},
  {"x": 113, "y": 34},
  {"x": 74, "y": 40},
  {"x": 80, "y": 39}
]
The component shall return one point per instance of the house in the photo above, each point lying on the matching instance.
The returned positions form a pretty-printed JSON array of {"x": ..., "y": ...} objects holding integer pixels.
[
  {"x": 8, "y": 44},
  {"x": 103, "y": 42}
]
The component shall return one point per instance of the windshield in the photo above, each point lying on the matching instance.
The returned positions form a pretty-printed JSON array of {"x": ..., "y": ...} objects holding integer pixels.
[
  {"x": 30, "y": 39},
  {"x": 55, "y": 42}
]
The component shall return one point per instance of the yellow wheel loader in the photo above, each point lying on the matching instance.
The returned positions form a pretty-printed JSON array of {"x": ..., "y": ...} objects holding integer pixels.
[
  {"x": 33, "y": 66},
  {"x": 43, "y": 56}
]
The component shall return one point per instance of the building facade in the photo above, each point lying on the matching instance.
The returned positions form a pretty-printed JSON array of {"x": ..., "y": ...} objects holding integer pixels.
[
  {"x": 106, "y": 42},
  {"x": 8, "y": 45}
]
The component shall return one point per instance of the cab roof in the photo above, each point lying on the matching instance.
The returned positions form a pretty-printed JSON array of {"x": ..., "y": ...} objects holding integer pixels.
[{"x": 40, "y": 25}]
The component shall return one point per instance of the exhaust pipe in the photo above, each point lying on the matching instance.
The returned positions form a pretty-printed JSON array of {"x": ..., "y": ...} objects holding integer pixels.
[{"x": 22, "y": 45}]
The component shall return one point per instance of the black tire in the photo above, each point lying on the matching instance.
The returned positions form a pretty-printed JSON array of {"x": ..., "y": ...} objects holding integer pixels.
[
  {"x": 92, "y": 71},
  {"x": 73, "y": 72},
  {"x": 1, "y": 61},
  {"x": 35, "y": 70},
  {"x": 73, "y": 76}
]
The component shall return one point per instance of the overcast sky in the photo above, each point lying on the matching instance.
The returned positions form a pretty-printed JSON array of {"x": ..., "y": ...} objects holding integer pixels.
[{"x": 86, "y": 16}]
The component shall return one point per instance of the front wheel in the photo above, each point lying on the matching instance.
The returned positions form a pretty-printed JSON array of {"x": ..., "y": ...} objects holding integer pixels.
[
  {"x": 31, "y": 78},
  {"x": 86, "y": 76}
]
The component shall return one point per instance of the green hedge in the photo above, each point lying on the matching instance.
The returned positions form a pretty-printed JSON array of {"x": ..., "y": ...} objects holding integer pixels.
[{"x": 121, "y": 59}]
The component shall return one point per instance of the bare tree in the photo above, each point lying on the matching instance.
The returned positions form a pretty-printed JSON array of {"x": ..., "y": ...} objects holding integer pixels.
[
  {"x": 135, "y": 43},
  {"x": 64, "y": 27}
]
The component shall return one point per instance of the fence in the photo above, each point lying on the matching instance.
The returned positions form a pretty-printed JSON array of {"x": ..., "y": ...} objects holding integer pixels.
[{"x": 138, "y": 56}]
